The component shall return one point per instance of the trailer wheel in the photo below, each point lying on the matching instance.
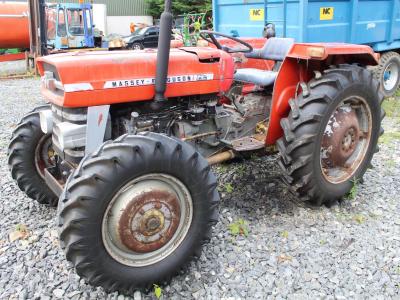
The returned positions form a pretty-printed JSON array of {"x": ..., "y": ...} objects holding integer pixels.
[
  {"x": 137, "y": 211},
  {"x": 331, "y": 134},
  {"x": 388, "y": 73},
  {"x": 29, "y": 153}
]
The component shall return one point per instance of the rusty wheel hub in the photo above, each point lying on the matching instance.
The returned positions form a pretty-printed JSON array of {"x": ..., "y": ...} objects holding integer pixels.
[
  {"x": 147, "y": 219},
  {"x": 346, "y": 140},
  {"x": 341, "y": 137}
]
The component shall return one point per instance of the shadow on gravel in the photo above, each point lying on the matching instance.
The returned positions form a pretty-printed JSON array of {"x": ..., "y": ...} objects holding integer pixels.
[{"x": 254, "y": 188}]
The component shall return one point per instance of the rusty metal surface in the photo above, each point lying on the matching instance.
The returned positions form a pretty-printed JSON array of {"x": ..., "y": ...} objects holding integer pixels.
[
  {"x": 346, "y": 140},
  {"x": 221, "y": 157},
  {"x": 343, "y": 138},
  {"x": 149, "y": 221},
  {"x": 248, "y": 143}
]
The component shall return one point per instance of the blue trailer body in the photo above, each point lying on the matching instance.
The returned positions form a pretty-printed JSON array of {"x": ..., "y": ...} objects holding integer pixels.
[{"x": 372, "y": 22}]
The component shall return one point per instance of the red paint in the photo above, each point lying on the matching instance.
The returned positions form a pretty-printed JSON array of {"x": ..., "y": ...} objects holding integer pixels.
[
  {"x": 12, "y": 57},
  {"x": 14, "y": 25},
  {"x": 299, "y": 67},
  {"x": 97, "y": 68}
]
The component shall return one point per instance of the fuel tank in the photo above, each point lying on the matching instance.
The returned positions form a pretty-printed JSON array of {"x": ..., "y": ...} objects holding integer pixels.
[
  {"x": 92, "y": 78},
  {"x": 14, "y": 25}
]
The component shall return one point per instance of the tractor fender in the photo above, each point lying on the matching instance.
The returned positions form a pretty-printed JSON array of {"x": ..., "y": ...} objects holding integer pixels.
[{"x": 299, "y": 67}]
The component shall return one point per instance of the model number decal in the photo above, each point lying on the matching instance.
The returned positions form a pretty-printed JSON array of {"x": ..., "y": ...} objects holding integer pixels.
[{"x": 152, "y": 81}]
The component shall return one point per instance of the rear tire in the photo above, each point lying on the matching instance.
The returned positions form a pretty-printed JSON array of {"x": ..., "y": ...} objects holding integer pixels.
[
  {"x": 305, "y": 133},
  {"x": 23, "y": 155},
  {"x": 388, "y": 73},
  {"x": 95, "y": 188}
]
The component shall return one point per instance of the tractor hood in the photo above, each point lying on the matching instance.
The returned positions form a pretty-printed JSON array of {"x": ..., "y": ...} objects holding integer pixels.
[{"x": 90, "y": 78}]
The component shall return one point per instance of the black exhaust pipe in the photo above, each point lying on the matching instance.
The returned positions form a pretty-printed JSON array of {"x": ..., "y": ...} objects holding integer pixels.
[{"x": 164, "y": 47}]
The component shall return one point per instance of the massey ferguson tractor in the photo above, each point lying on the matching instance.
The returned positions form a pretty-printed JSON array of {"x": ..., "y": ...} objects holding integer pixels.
[{"x": 126, "y": 141}]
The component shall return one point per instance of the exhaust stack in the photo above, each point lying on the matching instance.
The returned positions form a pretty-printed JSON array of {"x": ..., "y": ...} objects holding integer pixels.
[{"x": 164, "y": 46}]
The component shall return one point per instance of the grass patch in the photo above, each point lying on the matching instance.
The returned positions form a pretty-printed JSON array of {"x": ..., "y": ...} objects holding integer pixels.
[
  {"x": 157, "y": 291},
  {"x": 229, "y": 188},
  {"x": 240, "y": 227},
  {"x": 392, "y": 106},
  {"x": 354, "y": 191},
  {"x": 389, "y": 137}
]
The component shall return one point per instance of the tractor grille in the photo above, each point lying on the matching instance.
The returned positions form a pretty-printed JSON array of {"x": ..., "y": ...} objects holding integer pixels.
[{"x": 71, "y": 115}]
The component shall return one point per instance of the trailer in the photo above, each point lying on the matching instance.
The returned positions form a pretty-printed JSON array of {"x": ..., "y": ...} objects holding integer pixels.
[{"x": 371, "y": 22}]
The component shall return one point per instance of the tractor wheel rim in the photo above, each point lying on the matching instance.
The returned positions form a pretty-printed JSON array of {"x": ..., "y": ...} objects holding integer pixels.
[
  {"x": 346, "y": 140},
  {"x": 147, "y": 220},
  {"x": 391, "y": 76},
  {"x": 44, "y": 155}
]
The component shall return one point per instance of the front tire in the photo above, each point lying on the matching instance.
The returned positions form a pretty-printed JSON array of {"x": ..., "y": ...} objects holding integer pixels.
[
  {"x": 388, "y": 73},
  {"x": 137, "y": 211},
  {"x": 331, "y": 134},
  {"x": 137, "y": 46},
  {"x": 29, "y": 152}
]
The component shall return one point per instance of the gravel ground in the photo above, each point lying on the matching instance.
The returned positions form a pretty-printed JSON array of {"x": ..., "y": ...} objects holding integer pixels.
[{"x": 349, "y": 251}]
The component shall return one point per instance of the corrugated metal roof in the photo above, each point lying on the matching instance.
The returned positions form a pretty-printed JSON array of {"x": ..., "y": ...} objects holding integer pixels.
[{"x": 114, "y": 7}]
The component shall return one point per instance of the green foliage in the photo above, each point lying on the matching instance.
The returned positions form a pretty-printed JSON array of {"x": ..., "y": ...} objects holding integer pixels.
[
  {"x": 285, "y": 234},
  {"x": 239, "y": 228},
  {"x": 392, "y": 106},
  {"x": 229, "y": 188},
  {"x": 21, "y": 228},
  {"x": 241, "y": 170},
  {"x": 157, "y": 291},
  {"x": 179, "y": 7},
  {"x": 360, "y": 219},
  {"x": 389, "y": 137},
  {"x": 354, "y": 191}
]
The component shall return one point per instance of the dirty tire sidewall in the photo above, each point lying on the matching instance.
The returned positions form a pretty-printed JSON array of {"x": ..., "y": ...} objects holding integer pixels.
[
  {"x": 305, "y": 126},
  {"x": 21, "y": 159},
  {"x": 91, "y": 188},
  {"x": 337, "y": 191}
]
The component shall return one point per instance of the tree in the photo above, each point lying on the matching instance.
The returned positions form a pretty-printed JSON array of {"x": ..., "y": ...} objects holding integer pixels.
[{"x": 179, "y": 7}]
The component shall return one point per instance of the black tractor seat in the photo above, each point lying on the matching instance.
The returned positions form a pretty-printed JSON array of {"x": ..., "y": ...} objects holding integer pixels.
[{"x": 274, "y": 49}]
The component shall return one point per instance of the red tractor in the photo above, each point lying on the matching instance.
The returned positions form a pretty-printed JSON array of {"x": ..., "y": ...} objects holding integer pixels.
[{"x": 126, "y": 142}]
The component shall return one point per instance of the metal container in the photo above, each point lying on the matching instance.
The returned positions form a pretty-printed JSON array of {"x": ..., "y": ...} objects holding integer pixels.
[
  {"x": 14, "y": 26},
  {"x": 372, "y": 22}
]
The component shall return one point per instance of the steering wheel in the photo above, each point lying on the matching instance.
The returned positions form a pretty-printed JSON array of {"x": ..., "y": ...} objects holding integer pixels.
[{"x": 210, "y": 36}]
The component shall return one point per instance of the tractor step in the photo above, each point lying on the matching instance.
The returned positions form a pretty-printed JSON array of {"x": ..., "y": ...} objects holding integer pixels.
[{"x": 249, "y": 143}]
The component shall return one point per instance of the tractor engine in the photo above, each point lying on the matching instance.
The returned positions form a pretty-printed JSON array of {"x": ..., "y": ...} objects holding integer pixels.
[{"x": 203, "y": 121}]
